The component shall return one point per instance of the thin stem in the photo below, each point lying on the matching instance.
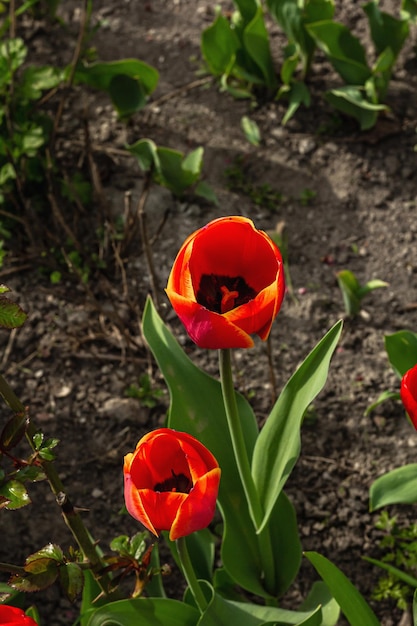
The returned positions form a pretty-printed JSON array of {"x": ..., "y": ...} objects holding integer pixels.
[
  {"x": 243, "y": 465},
  {"x": 70, "y": 515},
  {"x": 189, "y": 574}
]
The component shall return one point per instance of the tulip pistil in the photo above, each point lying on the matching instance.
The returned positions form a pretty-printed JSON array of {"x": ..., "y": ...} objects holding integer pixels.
[
  {"x": 223, "y": 293},
  {"x": 176, "y": 483}
]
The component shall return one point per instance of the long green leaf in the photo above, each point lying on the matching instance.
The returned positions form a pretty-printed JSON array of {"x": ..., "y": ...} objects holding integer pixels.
[
  {"x": 146, "y": 612},
  {"x": 278, "y": 444},
  {"x": 399, "y": 486},
  {"x": 256, "y": 41},
  {"x": 353, "y": 605},
  {"x": 223, "y": 612},
  {"x": 406, "y": 578},
  {"x": 197, "y": 408}
]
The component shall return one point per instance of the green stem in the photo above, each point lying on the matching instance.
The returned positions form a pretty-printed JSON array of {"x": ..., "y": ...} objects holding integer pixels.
[
  {"x": 69, "y": 513},
  {"x": 244, "y": 468},
  {"x": 189, "y": 573}
]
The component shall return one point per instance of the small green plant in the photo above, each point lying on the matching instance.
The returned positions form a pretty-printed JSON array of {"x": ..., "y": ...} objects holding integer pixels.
[
  {"x": 145, "y": 392},
  {"x": 399, "y": 562},
  {"x": 237, "y": 50},
  {"x": 262, "y": 195},
  {"x": 353, "y": 292},
  {"x": 307, "y": 196}
]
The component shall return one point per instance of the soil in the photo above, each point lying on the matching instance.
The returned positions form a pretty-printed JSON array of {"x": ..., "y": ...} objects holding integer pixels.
[{"x": 82, "y": 347}]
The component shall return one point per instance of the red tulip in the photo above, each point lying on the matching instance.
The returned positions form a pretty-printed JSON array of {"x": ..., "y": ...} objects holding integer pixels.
[
  {"x": 408, "y": 394},
  {"x": 12, "y": 616},
  {"x": 171, "y": 483},
  {"x": 227, "y": 283}
]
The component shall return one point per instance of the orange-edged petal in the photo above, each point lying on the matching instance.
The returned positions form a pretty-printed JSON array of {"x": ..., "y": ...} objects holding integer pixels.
[
  {"x": 408, "y": 394},
  {"x": 197, "y": 510},
  {"x": 206, "y": 328},
  {"x": 155, "y": 510}
]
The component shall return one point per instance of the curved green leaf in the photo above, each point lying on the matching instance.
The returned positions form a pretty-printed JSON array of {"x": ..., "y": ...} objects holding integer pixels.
[
  {"x": 406, "y": 578},
  {"x": 219, "y": 44},
  {"x": 344, "y": 51},
  {"x": 278, "y": 444},
  {"x": 401, "y": 348},
  {"x": 146, "y": 612},
  {"x": 256, "y": 42},
  {"x": 350, "y": 600},
  {"x": 127, "y": 94},
  {"x": 399, "y": 486},
  {"x": 351, "y": 101},
  {"x": 223, "y": 612},
  {"x": 100, "y": 75},
  {"x": 197, "y": 408}
]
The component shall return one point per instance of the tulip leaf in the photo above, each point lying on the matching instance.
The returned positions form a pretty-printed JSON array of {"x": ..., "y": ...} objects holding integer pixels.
[
  {"x": 351, "y": 602},
  {"x": 399, "y": 486},
  {"x": 344, "y": 51},
  {"x": 256, "y": 43},
  {"x": 100, "y": 75},
  {"x": 223, "y": 612},
  {"x": 146, "y": 612},
  {"x": 278, "y": 445},
  {"x": 320, "y": 595},
  {"x": 197, "y": 408},
  {"x": 401, "y": 348}
]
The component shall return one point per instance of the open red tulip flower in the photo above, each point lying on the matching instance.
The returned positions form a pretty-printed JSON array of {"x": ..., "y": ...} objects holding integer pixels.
[
  {"x": 227, "y": 283},
  {"x": 171, "y": 483},
  {"x": 13, "y": 616},
  {"x": 408, "y": 394}
]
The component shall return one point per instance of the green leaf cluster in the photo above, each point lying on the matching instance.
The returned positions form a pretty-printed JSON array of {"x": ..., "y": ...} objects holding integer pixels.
[{"x": 236, "y": 49}]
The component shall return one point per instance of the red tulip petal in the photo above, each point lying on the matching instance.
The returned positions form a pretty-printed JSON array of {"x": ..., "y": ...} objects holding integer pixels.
[
  {"x": 206, "y": 328},
  {"x": 197, "y": 510},
  {"x": 233, "y": 247},
  {"x": 408, "y": 394},
  {"x": 155, "y": 510}
]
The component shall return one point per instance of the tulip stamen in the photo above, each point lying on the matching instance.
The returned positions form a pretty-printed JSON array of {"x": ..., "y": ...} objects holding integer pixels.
[
  {"x": 223, "y": 293},
  {"x": 228, "y": 299},
  {"x": 177, "y": 483}
]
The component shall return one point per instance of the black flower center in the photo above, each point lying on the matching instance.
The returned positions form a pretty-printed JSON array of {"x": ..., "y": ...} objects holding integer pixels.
[
  {"x": 223, "y": 293},
  {"x": 177, "y": 482}
]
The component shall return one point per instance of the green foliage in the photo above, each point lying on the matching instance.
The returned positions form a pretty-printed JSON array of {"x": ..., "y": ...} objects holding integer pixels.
[
  {"x": 351, "y": 602},
  {"x": 399, "y": 562},
  {"x": 240, "y": 181},
  {"x": 366, "y": 85},
  {"x": 144, "y": 392},
  {"x": 353, "y": 292},
  {"x": 401, "y": 348},
  {"x": 238, "y": 52},
  {"x": 128, "y": 82},
  {"x": 11, "y": 314},
  {"x": 195, "y": 393},
  {"x": 395, "y": 487},
  {"x": 171, "y": 168},
  {"x": 294, "y": 17}
]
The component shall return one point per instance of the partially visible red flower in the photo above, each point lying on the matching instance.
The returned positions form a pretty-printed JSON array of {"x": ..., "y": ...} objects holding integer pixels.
[
  {"x": 227, "y": 283},
  {"x": 171, "y": 483},
  {"x": 12, "y": 616},
  {"x": 408, "y": 394}
]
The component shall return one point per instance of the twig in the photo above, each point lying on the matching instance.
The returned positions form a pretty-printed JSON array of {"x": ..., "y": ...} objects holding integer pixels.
[
  {"x": 145, "y": 239},
  {"x": 74, "y": 62}
]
